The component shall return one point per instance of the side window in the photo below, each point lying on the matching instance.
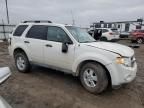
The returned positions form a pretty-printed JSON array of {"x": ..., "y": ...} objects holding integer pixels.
[
  {"x": 104, "y": 30},
  {"x": 38, "y": 32},
  {"x": 57, "y": 34},
  {"x": 19, "y": 30}
]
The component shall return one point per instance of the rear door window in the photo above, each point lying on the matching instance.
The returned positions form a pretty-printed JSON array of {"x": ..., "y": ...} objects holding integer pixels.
[
  {"x": 38, "y": 32},
  {"x": 19, "y": 30}
]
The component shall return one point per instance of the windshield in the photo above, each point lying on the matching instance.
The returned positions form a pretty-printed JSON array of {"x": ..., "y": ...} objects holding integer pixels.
[{"x": 80, "y": 35}]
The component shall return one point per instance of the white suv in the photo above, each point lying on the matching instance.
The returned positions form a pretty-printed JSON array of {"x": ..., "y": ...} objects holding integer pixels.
[
  {"x": 108, "y": 34},
  {"x": 72, "y": 50}
]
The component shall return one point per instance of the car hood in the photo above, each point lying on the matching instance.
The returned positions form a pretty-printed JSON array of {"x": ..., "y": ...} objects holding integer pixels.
[
  {"x": 113, "y": 47},
  {"x": 3, "y": 103}
]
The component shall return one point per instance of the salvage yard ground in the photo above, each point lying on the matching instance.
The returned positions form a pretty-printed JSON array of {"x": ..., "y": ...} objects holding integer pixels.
[{"x": 46, "y": 88}]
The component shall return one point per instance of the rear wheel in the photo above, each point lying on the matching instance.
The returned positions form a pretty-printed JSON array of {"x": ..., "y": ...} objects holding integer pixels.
[
  {"x": 93, "y": 77},
  {"x": 103, "y": 39},
  {"x": 140, "y": 40},
  {"x": 22, "y": 62}
]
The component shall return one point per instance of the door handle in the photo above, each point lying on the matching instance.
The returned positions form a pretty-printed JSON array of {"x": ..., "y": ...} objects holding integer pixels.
[
  {"x": 48, "y": 45},
  {"x": 26, "y": 42}
]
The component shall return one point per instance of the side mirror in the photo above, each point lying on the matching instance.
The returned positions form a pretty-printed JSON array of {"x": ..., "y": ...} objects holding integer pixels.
[
  {"x": 4, "y": 74},
  {"x": 64, "y": 47}
]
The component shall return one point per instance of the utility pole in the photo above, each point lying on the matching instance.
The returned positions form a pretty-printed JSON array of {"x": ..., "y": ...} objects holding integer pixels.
[
  {"x": 4, "y": 30},
  {"x": 73, "y": 21},
  {"x": 7, "y": 12}
]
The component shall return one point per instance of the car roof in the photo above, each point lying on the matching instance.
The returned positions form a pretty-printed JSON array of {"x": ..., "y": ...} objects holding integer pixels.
[{"x": 51, "y": 24}]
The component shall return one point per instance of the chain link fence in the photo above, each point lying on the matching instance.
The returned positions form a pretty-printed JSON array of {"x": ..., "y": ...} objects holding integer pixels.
[{"x": 5, "y": 29}]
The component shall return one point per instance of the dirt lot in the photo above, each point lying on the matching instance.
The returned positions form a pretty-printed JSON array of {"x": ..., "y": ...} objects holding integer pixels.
[{"x": 45, "y": 88}]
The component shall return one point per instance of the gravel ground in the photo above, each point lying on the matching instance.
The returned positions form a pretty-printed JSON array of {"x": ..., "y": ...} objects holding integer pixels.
[{"x": 46, "y": 88}]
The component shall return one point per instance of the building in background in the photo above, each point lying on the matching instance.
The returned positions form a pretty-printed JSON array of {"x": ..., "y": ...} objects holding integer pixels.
[
  {"x": 5, "y": 29},
  {"x": 126, "y": 26}
]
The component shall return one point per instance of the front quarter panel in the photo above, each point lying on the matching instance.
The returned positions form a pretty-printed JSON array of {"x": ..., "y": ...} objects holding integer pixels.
[{"x": 84, "y": 53}]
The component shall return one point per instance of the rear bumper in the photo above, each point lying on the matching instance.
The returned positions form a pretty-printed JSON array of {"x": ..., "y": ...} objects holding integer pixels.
[
  {"x": 115, "y": 40},
  {"x": 114, "y": 37}
]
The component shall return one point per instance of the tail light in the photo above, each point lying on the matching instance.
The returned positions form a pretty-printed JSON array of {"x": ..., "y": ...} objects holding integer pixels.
[{"x": 111, "y": 33}]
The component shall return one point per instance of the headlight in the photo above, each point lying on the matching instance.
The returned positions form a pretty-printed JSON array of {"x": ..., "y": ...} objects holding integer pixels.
[{"x": 124, "y": 60}]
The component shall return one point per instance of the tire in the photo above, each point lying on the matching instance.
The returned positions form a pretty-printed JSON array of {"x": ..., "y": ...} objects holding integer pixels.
[
  {"x": 22, "y": 64},
  {"x": 103, "y": 39},
  {"x": 140, "y": 40},
  {"x": 99, "y": 73}
]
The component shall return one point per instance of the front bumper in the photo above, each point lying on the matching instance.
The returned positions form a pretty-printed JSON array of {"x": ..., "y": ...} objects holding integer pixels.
[{"x": 121, "y": 74}]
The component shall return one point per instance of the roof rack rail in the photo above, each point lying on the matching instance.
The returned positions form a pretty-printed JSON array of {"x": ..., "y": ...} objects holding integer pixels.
[{"x": 37, "y": 21}]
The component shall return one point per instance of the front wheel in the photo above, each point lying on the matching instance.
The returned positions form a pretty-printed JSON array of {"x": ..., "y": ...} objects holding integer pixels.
[
  {"x": 93, "y": 77},
  {"x": 140, "y": 40},
  {"x": 22, "y": 62}
]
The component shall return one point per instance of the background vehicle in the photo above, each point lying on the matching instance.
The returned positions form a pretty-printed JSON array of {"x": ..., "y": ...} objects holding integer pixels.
[
  {"x": 108, "y": 34},
  {"x": 124, "y": 34},
  {"x": 72, "y": 50},
  {"x": 4, "y": 74},
  {"x": 137, "y": 36}
]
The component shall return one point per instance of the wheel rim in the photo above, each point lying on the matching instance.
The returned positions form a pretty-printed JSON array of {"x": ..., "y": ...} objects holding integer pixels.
[
  {"x": 20, "y": 63},
  {"x": 139, "y": 41},
  {"x": 90, "y": 77}
]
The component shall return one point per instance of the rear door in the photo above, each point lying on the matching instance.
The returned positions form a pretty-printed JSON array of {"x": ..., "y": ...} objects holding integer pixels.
[
  {"x": 104, "y": 31},
  {"x": 105, "y": 34},
  {"x": 18, "y": 33},
  {"x": 34, "y": 42}
]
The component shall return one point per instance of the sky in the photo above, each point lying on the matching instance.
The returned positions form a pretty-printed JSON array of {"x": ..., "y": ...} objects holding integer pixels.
[{"x": 84, "y": 12}]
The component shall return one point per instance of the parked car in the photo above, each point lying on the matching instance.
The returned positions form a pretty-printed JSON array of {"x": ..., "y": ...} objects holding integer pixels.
[
  {"x": 137, "y": 36},
  {"x": 72, "y": 50},
  {"x": 108, "y": 34},
  {"x": 4, "y": 74},
  {"x": 124, "y": 34}
]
